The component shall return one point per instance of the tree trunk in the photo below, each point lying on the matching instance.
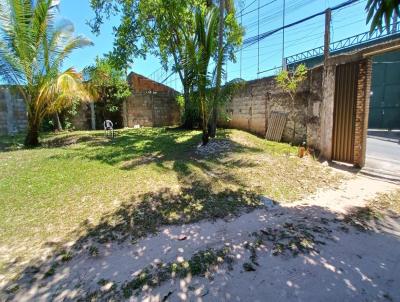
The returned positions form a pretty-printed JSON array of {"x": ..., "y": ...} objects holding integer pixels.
[
  {"x": 206, "y": 136},
  {"x": 57, "y": 122},
  {"x": 32, "y": 136},
  {"x": 188, "y": 122},
  {"x": 214, "y": 117},
  {"x": 206, "y": 133}
]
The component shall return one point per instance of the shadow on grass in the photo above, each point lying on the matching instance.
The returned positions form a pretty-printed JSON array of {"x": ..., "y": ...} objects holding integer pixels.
[
  {"x": 143, "y": 215},
  {"x": 133, "y": 148},
  {"x": 146, "y": 213},
  {"x": 82, "y": 271}
]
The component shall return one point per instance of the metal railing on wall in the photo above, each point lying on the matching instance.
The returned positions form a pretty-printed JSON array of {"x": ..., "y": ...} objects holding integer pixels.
[{"x": 346, "y": 43}]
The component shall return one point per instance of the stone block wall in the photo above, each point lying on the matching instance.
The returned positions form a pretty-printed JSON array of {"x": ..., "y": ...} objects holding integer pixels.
[
  {"x": 154, "y": 109},
  {"x": 252, "y": 106},
  {"x": 13, "y": 115},
  {"x": 81, "y": 120}
]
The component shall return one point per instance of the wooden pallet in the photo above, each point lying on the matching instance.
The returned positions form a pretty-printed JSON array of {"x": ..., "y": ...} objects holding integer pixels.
[{"x": 276, "y": 125}]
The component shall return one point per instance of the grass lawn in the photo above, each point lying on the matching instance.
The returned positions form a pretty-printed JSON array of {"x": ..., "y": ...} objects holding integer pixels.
[{"x": 81, "y": 183}]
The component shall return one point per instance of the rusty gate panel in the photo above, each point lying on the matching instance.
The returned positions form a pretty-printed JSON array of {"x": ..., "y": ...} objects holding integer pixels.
[{"x": 344, "y": 112}]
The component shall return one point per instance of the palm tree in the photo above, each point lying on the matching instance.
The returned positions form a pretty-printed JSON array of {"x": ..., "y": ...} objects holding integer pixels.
[
  {"x": 32, "y": 50},
  {"x": 228, "y": 7},
  {"x": 380, "y": 11},
  {"x": 200, "y": 48}
]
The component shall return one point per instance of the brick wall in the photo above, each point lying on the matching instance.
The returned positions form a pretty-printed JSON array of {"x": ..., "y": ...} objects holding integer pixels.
[
  {"x": 251, "y": 108},
  {"x": 362, "y": 111},
  {"x": 139, "y": 83}
]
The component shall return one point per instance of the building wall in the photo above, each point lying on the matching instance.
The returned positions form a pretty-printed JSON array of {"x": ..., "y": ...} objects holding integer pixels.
[
  {"x": 139, "y": 83},
  {"x": 151, "y": 110},
  {"x": 13, "y": 115},
  {"x": 251, "y": 108}
]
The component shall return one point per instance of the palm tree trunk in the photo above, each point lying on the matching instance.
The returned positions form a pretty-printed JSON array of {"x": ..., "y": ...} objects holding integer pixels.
[
  {"x": 214, "y": 118},
  {"x": 206, "y": 134},
  {"x": 57, "y": 122},
  {"x": 32, "y": 135},
  {"x": 188, "y": 122}
]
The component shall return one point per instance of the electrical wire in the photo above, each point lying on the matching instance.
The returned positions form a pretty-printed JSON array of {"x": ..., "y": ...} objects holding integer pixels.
[{"x": 255, "y": 39}]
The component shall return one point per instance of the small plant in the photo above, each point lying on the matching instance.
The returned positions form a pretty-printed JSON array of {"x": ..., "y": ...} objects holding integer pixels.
[
  {"x": 12, "y": 289},
  {"x": 66, "y": 256},
  {"x": 93, "y": 251},
  {"x": 289, "y": 82},
  {"x": 51, "y": 271},
  {"x": 102, "y": 282},
  {"x": 248, "y": 267}
]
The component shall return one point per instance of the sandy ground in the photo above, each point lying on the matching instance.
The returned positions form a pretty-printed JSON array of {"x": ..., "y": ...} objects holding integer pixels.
[{"x": 350, "y": 265}]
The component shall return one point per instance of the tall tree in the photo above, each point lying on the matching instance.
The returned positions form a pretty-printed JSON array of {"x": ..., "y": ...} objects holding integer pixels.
[
  {"x": 214, "y": 118},
  {"x": 126, "y": 46},
  {"x": 107, "y": 85},
  {"x": 201, "y": 48},
  {"x": 32, "y": 50},
  {"x": 380, "y": 12},
  {"x": 164, "y": 26}
]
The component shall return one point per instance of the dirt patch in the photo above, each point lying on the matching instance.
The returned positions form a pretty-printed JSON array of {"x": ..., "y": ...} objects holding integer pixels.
[{"x": 272, "y": 253}]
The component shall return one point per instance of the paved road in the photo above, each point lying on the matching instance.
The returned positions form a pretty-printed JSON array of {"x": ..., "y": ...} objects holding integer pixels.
[{"x": 383, "y": 151}]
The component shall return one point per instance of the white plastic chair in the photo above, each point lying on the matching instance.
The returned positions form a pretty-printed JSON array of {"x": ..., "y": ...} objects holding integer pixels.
[{"x": 108, "y": 128}]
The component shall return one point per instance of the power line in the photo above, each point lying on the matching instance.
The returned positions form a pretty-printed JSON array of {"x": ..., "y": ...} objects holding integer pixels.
[
  {"x": 255, "y": 39},
  {"x": 260, "y": 7}
]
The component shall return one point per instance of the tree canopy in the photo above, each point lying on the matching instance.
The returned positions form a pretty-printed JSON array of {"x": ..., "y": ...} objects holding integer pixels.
[
  {"x": 381, "y": 12},
  {"x": 164, "y": 28}
]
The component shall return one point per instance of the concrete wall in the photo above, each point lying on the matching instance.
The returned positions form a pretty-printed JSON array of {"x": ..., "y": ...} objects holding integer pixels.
[
  {"x": 82, "y": 119},
  {"x": 151, "y": 110},
  {"x": 13, "y": 116},
  {"x": 251, "y": 108}
]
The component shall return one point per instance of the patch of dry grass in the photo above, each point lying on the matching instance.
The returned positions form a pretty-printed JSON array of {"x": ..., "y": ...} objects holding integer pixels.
[
  {"x": 384, "y": 204},
  {"x": 389, "y": 202}
]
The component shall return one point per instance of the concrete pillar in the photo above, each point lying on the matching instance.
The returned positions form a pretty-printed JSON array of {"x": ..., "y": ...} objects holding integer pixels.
[
  {"x": 328, "y": 102},
  {"x": 328, "y": 93},
  {"x": 125, "y": 113},
  {"x": 92, "y": 116}
]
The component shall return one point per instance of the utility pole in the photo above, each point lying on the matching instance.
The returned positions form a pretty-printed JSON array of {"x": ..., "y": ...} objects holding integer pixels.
[
  {"x": 283, "y": 35},
  {"x": 327, "y": 36},
  {"x": 328, "y": 84}
]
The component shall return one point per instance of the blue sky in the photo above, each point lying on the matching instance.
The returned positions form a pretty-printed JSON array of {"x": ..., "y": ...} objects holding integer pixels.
[{"x": 346, "y": 22}]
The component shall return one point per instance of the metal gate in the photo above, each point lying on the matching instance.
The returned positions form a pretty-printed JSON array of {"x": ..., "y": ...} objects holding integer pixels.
[
  {"x": 384, "y": 110},
  {"x": 344, "y": 112}
]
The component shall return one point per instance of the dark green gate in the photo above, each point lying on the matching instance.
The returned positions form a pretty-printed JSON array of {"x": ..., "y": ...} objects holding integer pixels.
[{"x": 384, "y": 111}]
